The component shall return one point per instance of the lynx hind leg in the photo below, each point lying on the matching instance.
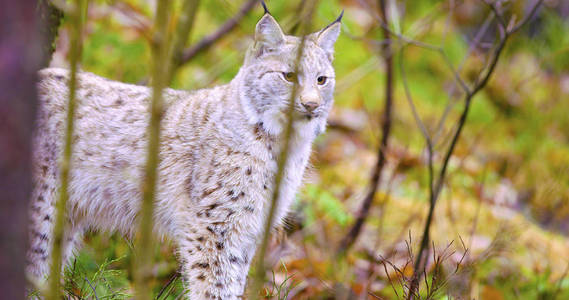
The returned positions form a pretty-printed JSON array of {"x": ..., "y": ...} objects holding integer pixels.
[
  {"x": 215, "y": 261},
  {"x": 41, "y": 227},
  {"x": 41, "y": 230}
]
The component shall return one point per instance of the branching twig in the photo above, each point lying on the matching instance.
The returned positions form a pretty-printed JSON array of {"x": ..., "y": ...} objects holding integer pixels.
[
  {"x": 77, "y": 16},
  {"x": 209, "y": 40},
  {"x": 478, "y": 85},
  {"x": 182, "y": 34},
  {"x": 354, "y": 231},
  {"x": 476, "y": 41},
  {"x": 259, "y": 275},
  {"x": 183, "y": 56},
  {"x": 404, "y": 40}
]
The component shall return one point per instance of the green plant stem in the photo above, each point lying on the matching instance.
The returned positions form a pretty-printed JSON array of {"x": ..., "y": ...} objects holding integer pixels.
[
  {"x": 77, "y": 20},
  {"x": 143, "y": 266},
  {"x": 259, "y": 275},
  {"x": 166, "y": 58}
]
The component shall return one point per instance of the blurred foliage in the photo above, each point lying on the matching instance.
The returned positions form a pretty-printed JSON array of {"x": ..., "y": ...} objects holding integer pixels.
[{"x": 507, "y": 193}]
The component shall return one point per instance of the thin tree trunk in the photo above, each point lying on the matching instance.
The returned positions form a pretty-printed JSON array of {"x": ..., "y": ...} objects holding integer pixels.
[
  {"x": 19, "y": 60},
  {"x": 352, "y": 235}
]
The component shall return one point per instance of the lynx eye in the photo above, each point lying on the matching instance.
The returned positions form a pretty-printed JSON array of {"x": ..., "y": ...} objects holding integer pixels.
[
  {"x": 321, "y": 80},
  {"x": 289, "y": 76}
]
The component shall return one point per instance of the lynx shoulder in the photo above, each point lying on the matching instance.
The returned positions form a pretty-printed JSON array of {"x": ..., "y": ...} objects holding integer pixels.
[{"x": 218, "y": 155}]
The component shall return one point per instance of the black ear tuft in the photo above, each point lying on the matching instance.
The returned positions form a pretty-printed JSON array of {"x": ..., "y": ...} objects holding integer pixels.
[
  {"x": 339, "y": 19},
  {"x": 326, "y": 38},
  {"x": 265, "y": 7}
]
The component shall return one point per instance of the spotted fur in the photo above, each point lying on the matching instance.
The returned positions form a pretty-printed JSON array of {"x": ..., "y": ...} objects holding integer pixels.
[{"x": 218, "y": 158}]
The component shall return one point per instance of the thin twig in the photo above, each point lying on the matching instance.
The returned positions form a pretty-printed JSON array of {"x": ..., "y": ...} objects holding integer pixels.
[
  {"x": 92, "y": 287},
  {"x": 527, "y": 18},
  {"x": 429, "y": 143},
  {"x": 170, "y": 281},
  {"x": 476, "y": 41},
  {"x": 389, "y": 278},
  {"x": 499, "y": 15},
  {"x": 410, "y": 101},
  {"x": 404, "y": 40},
  {"x": 282, "y": 160},
  {"x": 363, "y": 212},
  {"x": 77, "y": 18}
]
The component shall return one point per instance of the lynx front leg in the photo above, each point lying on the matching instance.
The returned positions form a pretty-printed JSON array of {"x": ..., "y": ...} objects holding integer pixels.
[{"x": 216, "y": 259}]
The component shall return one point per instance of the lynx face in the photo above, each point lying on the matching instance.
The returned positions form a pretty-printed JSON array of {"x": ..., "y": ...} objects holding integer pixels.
[{"x": 269, "y": 77}]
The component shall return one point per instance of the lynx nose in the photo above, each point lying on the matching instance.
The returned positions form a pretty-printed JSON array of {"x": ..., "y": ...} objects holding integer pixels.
[{"x": 310, "y": 106}]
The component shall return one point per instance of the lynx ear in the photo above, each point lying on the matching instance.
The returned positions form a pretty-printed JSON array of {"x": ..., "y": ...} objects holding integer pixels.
[
  {"x": 326, "y": 38},
  {"x": 268, "y": 34}
]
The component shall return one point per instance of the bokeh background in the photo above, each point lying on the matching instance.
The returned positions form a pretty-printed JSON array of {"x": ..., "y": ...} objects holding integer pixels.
[{"x": 501, "y": 225}]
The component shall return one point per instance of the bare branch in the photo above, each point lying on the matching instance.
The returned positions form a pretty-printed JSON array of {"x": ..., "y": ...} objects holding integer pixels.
[
  {"x": 406, "y": 40},
  {"x": 209, "y": 40},
  {"x": 389, "y": 278},
  {"x": 527, "y": 18},
  {"x": 355, "y": 230},
  {"x": 182, "y": 34},
  {"x": 478, "y": 85},
  {"x": 410, "y": 101},
  {"x": 476, "y": 41},
  {"x": 497, "y": 13}
]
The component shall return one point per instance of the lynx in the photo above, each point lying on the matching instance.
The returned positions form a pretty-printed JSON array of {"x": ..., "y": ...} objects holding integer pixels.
[{"x": 219, "y": 150}]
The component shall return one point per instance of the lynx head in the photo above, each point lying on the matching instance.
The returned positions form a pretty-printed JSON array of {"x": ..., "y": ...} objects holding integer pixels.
[{"x": 269, "y": 74}]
